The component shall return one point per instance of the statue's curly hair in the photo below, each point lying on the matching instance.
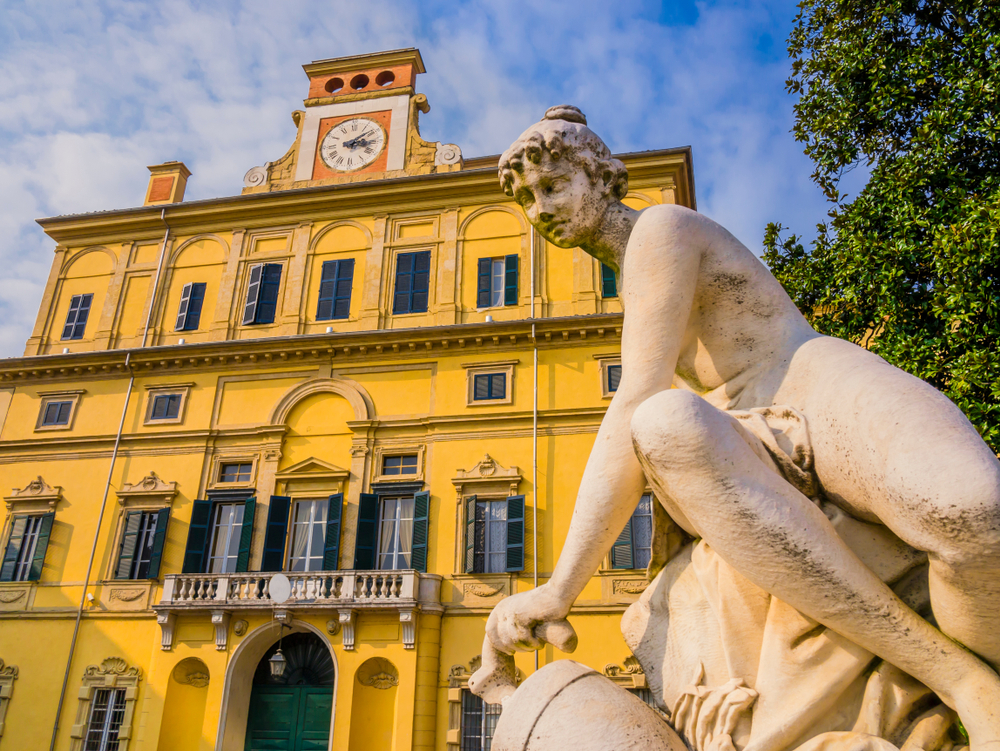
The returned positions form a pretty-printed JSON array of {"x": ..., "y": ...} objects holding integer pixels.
[{"x": 563, "y": 130}]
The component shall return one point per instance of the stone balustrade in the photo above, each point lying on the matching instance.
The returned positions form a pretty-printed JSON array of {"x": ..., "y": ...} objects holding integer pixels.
[{"x": 343, "y": 592}]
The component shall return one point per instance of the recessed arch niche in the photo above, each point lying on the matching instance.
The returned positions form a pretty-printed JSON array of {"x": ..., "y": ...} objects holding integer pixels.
[
  {"x": 183, "y": 723},
  {"x": 373, "y": 706}
]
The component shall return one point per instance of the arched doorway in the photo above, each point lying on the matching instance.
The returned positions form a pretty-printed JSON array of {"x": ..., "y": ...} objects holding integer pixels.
[{"x": 292, "y": 712}]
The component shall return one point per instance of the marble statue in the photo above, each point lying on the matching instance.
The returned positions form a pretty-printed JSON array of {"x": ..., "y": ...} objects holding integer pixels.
[{"x": 842, "y": 590}]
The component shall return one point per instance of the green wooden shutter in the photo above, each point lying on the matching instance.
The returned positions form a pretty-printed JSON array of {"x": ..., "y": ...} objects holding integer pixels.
[
  {"x": 246, "y": 535},
  {"x": 159, "y": 537},
  {"x": 609, "y": 282},
  {"x": 273, "y": 558},
  {"x": 470, "y": 534},
  {"x": 38, "y": 560},
  {"x": 13, "y": 548},
  {"x": 197, "y": 541},
  {"x": 182, "y": 309},
  {"x": 364, "y": 543},
  {"x": 421, "y": 508},
  {"x": 515, "y": 533},
  {"x": 331, "y": 546},
  {"x": 510, "y": 280},
  {"x": 483, "y": 286},
  {"x": 130, "y": 538},
  {"x": 621, "y": 551},
  {"x": 253, "y": 294}
]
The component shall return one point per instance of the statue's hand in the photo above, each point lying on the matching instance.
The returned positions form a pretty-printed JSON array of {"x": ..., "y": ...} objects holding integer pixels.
[{"x": 528, "y": 620}]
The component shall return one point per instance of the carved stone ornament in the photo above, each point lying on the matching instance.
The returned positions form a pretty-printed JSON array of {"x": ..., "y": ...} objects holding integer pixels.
[
  {"x": 332, "y": 627},
  {"x": 126, "y": 595},
  {"x": 240, "y": 627},
  {"x": 12, "y": 595},
  {"x": 255, "y": 177},
  {"x": 487, "y": 476},
  {"x": 113, "y": 666},
  {"x": 478, "y": 589},
  {"x": 150, "y": 487},
  {"x": 630, "y": 665},
  {"x": 378, "y": 673},
  {"x": 192, "y": 672},
  {"x": 448, "y": 153},
  {"x": 629, "y": 586},
  {"x": 36, "y": 490},
  {"x": 8, "y": 671}
]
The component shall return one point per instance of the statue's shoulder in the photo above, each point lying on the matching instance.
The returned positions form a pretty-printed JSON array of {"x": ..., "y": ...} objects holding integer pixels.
[
  {"x": 669, "y": 214},
  {"x": 669, "y": 228}
]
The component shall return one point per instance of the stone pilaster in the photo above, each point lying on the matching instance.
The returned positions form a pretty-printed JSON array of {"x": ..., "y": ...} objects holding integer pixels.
[
  {"x": 428, "y": 667},
  {"x": 371, "y": 300}
]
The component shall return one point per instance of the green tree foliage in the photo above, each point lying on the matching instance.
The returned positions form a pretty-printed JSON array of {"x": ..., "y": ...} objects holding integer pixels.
[{"x": 910, "y": 267}]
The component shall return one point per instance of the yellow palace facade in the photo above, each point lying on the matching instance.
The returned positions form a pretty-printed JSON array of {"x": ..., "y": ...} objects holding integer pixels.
[{"x": 269, "y": 460}]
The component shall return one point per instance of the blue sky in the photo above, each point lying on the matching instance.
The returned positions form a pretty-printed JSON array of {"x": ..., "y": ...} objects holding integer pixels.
[{"x": 92, "y": 92}]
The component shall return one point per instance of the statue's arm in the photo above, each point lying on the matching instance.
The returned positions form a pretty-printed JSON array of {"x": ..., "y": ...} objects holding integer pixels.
[{"x": 660, "y": 279}]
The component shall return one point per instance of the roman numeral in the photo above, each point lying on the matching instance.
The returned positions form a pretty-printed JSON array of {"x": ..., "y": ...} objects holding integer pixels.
[
  {"x": 369, "y": 150},
  {"x": 340, "y": 160},
  {"x": 354, "y": 125},
  {"x": 350, "y": 162}
]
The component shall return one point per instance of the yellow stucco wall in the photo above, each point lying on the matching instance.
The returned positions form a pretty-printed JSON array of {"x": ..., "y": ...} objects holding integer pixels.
[{"x": 383, "y": 389}]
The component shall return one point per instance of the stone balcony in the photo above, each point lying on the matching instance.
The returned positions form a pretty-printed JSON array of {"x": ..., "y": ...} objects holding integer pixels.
[{"x": 343, "y": 592}]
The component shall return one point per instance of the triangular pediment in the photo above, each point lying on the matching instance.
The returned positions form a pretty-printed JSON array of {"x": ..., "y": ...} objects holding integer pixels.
[{"x": 312, "y": 469}]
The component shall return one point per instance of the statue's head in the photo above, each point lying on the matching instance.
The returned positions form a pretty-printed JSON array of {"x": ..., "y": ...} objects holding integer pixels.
[{"x": 563, "y": 175}]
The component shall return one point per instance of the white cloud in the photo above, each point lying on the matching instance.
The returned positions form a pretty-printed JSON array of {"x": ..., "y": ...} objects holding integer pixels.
[{"x": 91, "y": 93}]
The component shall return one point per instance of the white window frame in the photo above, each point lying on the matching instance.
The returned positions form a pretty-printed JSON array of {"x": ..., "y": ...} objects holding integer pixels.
[
  {"x": 179, "y": 389},
  {"x": 378, "y": 460},
  {"x": 604, "y": 361},
  {"x": 217, "y": 510},
  {"x": 483, "y": 368},
  {"x": 58, "y": 396},
  {"x": 489, "y": 522},
  {"x": 379, "y": 553},
  {"x": 322, "y": 504}
]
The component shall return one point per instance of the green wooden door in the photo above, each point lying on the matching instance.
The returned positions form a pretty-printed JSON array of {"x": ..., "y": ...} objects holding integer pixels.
[{"x": 289, "y": 718}]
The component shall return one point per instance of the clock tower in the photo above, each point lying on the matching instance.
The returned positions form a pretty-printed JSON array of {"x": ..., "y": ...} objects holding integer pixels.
[{"x": 360, "y": 123}]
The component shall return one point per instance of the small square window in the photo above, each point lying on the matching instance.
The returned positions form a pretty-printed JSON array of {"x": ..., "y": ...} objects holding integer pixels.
[
  {"x": 399, "y": 465},
  {"x": 165, "y": 407},
  {"x": 490, "y": 386},
  {"x": 235, "y": 472},
  {"x": 614, "y": 377},
  {"x": 57, "y": 413}
]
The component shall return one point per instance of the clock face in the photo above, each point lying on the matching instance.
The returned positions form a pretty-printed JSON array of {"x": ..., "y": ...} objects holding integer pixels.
[{"x": 352, "y": 144}]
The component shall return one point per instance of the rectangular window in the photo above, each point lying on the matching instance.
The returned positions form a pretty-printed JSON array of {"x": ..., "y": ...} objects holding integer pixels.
[
  {"x": 489, "y": 386},
  {"x": 235, "y": 472},
  {"x": 479, "y": 721},
  {"x": 189, "y": 311},
  {"x": 490, "y": 549},
  {"x": 308, "y": 536},
  {"x": 609, "y": 282},
  {"x": 335, "y": 290},
  {"x": 262, "y": 293},
  {"x": 633, "y": 548},
  {"x": 139, "y": 553},
  {"x": 497, "y": 282},
  {"x": 399, "y": 465},
  {"x": 227, "y": 527},
  {"x": 107, "y": 710},
  {"x": 614, "y": 377},
  {"x": 395, "y": 538},
  {"x": 165, "y": 407},
  {"x": 413, "y": 277},
  {"x": 21, "y": 546},
  {"x": 76, "y": 319},
  {"x": 57, "y": 413}
]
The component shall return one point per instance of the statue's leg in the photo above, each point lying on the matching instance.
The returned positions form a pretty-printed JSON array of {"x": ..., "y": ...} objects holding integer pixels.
[
  {"x": 696, "y": 458},
  {"x": 932, "y": 480}
]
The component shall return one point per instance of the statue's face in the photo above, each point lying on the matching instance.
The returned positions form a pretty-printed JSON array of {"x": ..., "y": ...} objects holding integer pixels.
[{"x": 560, "y": 199}]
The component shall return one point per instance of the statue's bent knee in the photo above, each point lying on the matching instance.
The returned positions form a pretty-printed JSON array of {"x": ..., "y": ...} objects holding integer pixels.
[
  {"x": 672, "y": 420},
  {"x": 566, "y": 705}
]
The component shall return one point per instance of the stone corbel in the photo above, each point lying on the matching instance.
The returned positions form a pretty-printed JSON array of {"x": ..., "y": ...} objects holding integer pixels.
[
  {"x": 220, "y": 619},
  {"x": 409, "y": 620},
  {"x": 347, "y": 619},
  {"x": 283, "y": 617},
  {"x": 167, "y": 620}
]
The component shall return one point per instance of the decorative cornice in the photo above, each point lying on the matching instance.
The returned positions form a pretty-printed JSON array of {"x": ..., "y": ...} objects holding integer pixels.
[
  {"x": 150, "y": 487},
  {"x": 113, "y": 666},
  {"x": 344, "y": 349},
  {"x": 36, "y": 490}
]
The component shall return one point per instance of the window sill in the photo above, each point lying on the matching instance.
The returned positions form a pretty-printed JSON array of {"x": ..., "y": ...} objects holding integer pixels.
[
  {"x": 475, "y": 591},
  {"x": 411, "y": 314}
]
